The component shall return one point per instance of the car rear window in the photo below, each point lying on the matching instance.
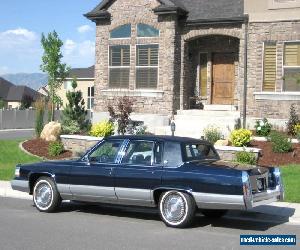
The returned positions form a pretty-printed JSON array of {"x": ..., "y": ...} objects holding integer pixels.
[{"x": 200, "y": 151}]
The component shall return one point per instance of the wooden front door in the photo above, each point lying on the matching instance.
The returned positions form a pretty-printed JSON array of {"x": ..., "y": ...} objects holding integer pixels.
[{"x": 223, "y": 78}]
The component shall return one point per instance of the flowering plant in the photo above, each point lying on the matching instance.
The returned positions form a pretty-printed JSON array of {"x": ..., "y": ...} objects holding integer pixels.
[{"x": 263, "y": 127}]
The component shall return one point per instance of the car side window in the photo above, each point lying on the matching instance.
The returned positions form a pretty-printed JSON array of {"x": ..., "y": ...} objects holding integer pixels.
[
  {"x": 158, "y": 153},
  {"x": 172, "y": 154},
  {"x": 139, "y": 153},
  {"x": 106, "y": 152}
]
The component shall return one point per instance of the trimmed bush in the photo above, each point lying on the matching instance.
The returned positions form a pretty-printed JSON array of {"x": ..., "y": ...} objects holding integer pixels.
[
  {"x": 212, "y": 134},
  {"x": 55, "y": 148},
  {"x": 240, "y": 137},
  {"x": 280, "y": 143},
  {"x": 263, "y": 127},
  {"x": 102, "y": 129},
  {"x": 245, "y": 157}
]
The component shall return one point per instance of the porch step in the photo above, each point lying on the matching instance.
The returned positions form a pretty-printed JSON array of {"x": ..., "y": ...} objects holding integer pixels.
[
  {"x": 191, "y": 123},
  {"x": 220, "y": 107}
]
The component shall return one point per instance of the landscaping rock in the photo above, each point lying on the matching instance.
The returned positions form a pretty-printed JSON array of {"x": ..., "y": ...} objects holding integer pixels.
[
  {"x": 51, "y": 131},
  {"x": 222, "y": 143}
]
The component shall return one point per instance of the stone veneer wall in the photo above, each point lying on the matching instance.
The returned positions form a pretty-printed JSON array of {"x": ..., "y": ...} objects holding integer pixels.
[
  {"x": 134, "y": 12},
  {"x": 278, "y": 108}
]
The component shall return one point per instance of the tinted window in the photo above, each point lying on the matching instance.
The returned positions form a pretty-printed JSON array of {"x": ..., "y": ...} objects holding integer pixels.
[
  {"x": 172, "y": 154},
  {"x": 123, "y": 31},
  {"x": 138, "y": 152},
  {"x": 106, "y": 152},
  {"x": 200, "y": 152}
]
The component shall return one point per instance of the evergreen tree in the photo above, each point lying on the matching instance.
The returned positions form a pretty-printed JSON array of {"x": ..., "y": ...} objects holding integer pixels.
[{"x": 74, "y": 114}]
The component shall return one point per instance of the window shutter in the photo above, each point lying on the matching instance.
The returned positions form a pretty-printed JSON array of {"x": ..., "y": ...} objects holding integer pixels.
[
  {"x": 269, "y": 67},
  {"x": 292, "y": 54}
]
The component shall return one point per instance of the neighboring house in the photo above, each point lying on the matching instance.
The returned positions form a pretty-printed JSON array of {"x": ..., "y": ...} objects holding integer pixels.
[
  {"x": 13, "y": 94},
  {"x": 85, "y": 83},
  {"x": 169, "y": 54}
]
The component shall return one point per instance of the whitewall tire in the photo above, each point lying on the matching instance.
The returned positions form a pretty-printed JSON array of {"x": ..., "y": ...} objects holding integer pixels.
[
  {"x": 177, "y": 209},
  {"x": 45, "y": 195}
]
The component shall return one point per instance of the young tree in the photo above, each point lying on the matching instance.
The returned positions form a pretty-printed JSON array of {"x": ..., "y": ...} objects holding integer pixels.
[
  {"x": 52, "y": 65},
  {"x": 74, "y": 114},
  {"x": 2, "y": 104}
]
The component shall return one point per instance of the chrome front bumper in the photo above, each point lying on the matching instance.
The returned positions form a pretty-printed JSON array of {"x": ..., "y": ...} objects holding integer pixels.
[{"x": 20, "y": 185}]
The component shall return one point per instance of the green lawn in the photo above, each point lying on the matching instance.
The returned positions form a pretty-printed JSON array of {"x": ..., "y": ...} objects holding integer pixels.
[
  {"x": 10, "y": 156},
  {"x": 291, "y": 180}
]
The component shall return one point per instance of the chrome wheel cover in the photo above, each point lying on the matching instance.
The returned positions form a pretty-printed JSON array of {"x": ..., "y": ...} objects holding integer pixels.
[
  {"x": 174, "y": 208},
  {"x": 43, "y": 195}
]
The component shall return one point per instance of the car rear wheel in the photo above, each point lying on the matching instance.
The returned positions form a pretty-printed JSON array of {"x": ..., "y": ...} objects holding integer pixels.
[
  {"x": 214, "y": 213},
  {"x": 177, "y": 209},
  {"x": 45, "y": 195}
]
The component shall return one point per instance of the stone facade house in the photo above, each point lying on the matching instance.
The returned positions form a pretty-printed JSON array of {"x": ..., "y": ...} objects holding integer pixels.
[{"x": 204, "y": 61}]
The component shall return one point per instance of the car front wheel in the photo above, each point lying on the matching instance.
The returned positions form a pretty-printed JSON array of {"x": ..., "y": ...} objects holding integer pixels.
[
  {"x": 177, "y": 209},
  {"x": 45, "y": 195}
]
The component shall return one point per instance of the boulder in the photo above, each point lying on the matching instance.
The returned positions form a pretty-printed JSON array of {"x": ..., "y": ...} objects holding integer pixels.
[
  {"x": 51, "y": 131},
  {"x": 222, "y": 143}
]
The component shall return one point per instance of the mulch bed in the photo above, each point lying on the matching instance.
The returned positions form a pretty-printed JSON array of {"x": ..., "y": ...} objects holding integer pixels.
[
  {"x": 275, "y": 159},
  {"x": 39, "y": 147}
]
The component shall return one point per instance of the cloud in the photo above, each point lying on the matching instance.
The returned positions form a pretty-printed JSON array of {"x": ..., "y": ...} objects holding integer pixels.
[
  {"x": 20, "y": 50},
  {"x": 79, "y": 54},
  {"x": 84, "y": 29},
  {"x": 3, "y": 70}
]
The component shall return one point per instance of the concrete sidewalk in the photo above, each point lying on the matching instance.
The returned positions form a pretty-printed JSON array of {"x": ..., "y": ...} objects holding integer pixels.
[{"x": 276, "y": 212}]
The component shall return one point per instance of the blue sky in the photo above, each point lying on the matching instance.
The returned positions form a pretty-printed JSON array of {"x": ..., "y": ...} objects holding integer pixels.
[{"x": 23, "y": 21}]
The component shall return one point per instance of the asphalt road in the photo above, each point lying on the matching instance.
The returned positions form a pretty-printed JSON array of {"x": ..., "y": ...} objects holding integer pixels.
[
  {"x": 16, "y": 134},
  {"x": 103, "y": 227}
]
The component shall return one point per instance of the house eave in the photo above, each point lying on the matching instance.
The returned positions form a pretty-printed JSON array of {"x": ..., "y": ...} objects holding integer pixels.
[
  {"x": 231, "y": 20},
  {"x": 98, "y": 16}
]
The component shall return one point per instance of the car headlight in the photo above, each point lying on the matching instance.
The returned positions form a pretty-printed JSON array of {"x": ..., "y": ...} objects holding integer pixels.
[{"x": 17, "y": 171}]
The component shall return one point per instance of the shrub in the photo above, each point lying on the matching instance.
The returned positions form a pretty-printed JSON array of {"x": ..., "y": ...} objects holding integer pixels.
[
  {"x": 280, "y": 143},
  {"x": 140, "y": 130},
  {"x": 102, "y": 129},
  {"x": 39, "y": 119},
  {"x": 212, "y": 134},
  {"x": 263, "y": 127},
  {"x": 293, "y": 120},
  {"x": 245, "y": 157},
  {"x": 297, "y": 131},
  {"x": 70, "y": 127},
  {"x": 240, "y": 137},
  {"x": 55, "y": 148},
  {"x": 121, "y": 113}
]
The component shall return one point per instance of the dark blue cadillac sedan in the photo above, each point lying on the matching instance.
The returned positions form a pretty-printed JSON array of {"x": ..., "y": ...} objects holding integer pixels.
[{"x": 178, "y": 175}]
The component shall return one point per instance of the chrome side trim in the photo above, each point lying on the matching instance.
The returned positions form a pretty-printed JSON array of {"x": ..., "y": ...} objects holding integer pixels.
[
  {"x": 63, "y": 189},
  {"x": 20, "y": 185},
  {"x": 94, "y": 191},
  {"x": 219, "y": 201},
  {"x": 133, "y": 194}
]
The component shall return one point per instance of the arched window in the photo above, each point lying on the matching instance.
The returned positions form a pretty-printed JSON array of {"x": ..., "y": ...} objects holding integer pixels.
[
  {"x": 145, "y": 30},
  {"x": 123, "y": 31}
]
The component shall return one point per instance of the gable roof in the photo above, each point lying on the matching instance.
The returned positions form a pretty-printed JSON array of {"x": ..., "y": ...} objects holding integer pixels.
[
  {"x": 17, "y": 93},
  {"x": 83, "y": 73},
  {"x": 11, "y": 92},
  {"x": 4, "y": 88},
  {"x": 195, "y": 10}
]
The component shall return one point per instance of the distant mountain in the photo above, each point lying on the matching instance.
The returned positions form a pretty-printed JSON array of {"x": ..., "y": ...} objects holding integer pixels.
[{"x": 34, "y": 80}]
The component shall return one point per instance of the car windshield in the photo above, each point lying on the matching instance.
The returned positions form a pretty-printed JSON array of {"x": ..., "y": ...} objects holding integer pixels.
[{"x": 200, "y": 151}]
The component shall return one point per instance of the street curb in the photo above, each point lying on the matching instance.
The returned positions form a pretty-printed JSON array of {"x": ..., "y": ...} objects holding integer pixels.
[{"x": 12, "y": 130}]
